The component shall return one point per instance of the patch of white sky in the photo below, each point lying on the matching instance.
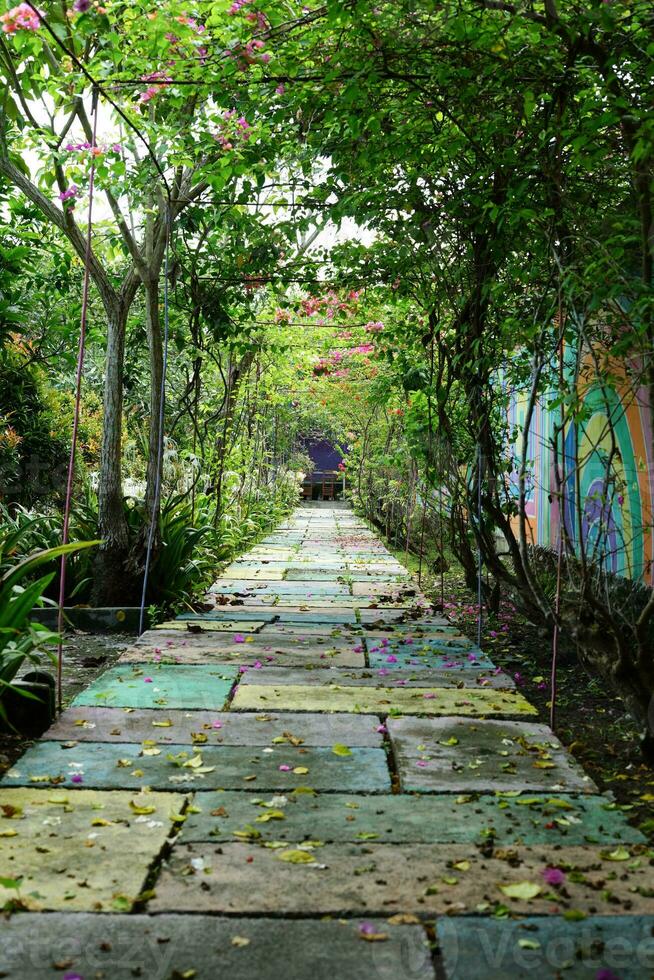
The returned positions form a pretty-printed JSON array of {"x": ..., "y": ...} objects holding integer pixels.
[{"x": 323, "y": 235}]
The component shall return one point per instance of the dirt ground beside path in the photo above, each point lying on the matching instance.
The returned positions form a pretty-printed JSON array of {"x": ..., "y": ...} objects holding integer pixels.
[
  {"x": 591, "y": 721},
  {"x": 86, "y": 655}
]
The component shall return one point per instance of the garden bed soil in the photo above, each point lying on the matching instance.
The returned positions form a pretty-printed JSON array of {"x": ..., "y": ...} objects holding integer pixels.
[
  {"x": 86, "y": 655},
  {"x": 590, "y": 719}
]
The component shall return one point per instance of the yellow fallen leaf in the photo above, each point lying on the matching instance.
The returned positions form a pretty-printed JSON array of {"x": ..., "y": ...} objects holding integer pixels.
[
  {"x": 300, "y": 770},
  {"x": 341, "y": 750},
  {"x": 141, "y": 807},
  {"x": 296, "y": 857},
  {"x": 166, "y": 723},
  {"x": 524, "y": 890}
]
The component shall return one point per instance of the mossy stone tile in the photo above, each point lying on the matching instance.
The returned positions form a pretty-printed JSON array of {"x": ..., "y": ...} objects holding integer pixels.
[
  {"x": 165, "y": 947},
  {"x": 161, "y": 686},
  {"x": 404, "y": 819},
  {"x": 85, "y": 724},
  {"x": 253, "y": 573},
  {"x": 216, "y": 622},
  {"x": 79, "y": 849},
  {"x": 412, "y": 701},
  {"x": 319, "y": 574},
  {"x": 305, "y": 590},
  {"x": 129, "y": 765},
  {"x": 287, "y": 655},
  {"x": 456, "y": 754},
  {"x": 383, "y": 879},
  {"x": 600, "y": 947}
]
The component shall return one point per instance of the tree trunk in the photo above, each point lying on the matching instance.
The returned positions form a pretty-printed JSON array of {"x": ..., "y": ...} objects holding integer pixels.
[
  {"x": 111, "y": 585},
  {"x": 155, "y": 439}
]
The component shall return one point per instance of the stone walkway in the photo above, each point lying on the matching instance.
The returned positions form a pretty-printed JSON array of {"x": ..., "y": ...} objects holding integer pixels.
[{"x": 318, "y": 778}]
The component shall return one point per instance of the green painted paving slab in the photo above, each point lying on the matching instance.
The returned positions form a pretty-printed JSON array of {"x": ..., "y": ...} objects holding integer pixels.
[
  {"x": 172, "y": 947},
  {"x": 457, "y": 754},
  {"x": 105, "y": 765},
  {"x": 319, "y": 675},
  {"x": 383, "y": 617},
  {"x": 219, "y": 728},
  {"x": 161, "y": 686},
  {"x": 382, "y": 879},
  {"x": 414, "y": 701},
  {"x": 616, "y": 947},
  {"x": 79, "y": 849},
  {"x": 441, "y": 819}
]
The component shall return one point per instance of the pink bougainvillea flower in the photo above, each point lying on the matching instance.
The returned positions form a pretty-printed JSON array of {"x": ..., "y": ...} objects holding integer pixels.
[
  {"x": 381, "y": 729},
  {"x": 69, "y": 193},
  {"x": 257, "y": 665},
  {"x": 242, "y": 669},
  {"x": 73, "y": 976},
  {"x": 239, "y": 638},
  {"x": 383, "y": 671},
  {"x": 77, "y": 778},
  {"x": 284, "y": 768},
  {"x": 81, "y": 6},
  {"x": 429, "y": 696},
  {"x": 422, "y": 763},
  {"x": 20, "y": 18},
  {"x": 280, "y": 89},
  {"x": 216, "y": 724},
  {"x": 367, "y": 929},
  {"x": 553, "y": 876},
  {"x": 391, "y": 659},
  {"x": 147, "y": 680}
]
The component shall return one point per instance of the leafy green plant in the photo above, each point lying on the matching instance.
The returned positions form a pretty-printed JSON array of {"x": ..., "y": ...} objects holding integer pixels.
[{"x": 20, "y": 638}]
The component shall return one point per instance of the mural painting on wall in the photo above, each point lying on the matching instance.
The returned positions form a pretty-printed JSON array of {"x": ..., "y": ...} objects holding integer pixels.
[{"x": 609, "y": 473}]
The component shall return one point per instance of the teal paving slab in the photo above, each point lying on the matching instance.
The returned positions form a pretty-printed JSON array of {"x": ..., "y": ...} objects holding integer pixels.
[
  {"x": 340, "y": 817},
  {"x": 402, "y": 657},
  {"x": 171, "y": 947},
  {"x": 90, "y": 724},
  {"x": 161, "y": 686},
  {"x": 458, "y": 754},
  {"x": 322, "y": 676},
  {"x": 615, "y": 947},
  {"x": 381, "y": 616},
  {"x": 104, "y": 765},
  {"x": 319, "y": 617}
]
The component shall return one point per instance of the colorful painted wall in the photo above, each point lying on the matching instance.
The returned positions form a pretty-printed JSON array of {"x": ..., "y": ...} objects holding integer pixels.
[{"x": 613, "y": 514}]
